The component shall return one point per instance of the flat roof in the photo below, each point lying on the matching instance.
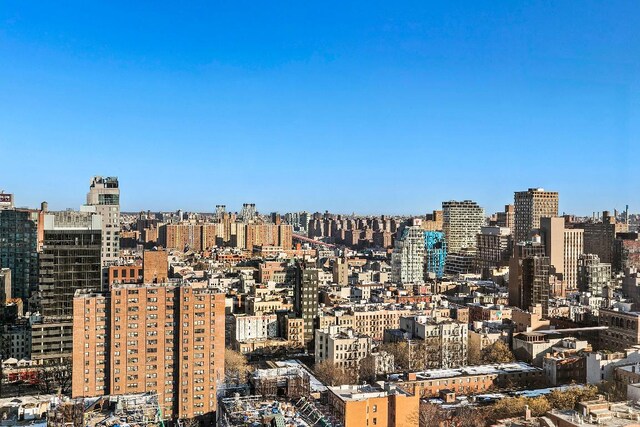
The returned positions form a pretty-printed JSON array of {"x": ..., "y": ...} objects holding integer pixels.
[{"x": 502, "y": 368}]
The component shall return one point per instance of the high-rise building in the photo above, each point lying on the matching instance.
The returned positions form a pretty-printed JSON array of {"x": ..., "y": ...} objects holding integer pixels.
[
  {"x": 462, "y": 221},
  {"x": 407, "y": 259},
  {"x": 593, "y": 275},
  {"x": 626, "y": 251},
  {"x": 104, "y": 195},
  {"x": 599, "y": 236},
  {"x": 305, "y": 297},
  {"x": 494, "y": 248},
  {"x": 248, "y": 213},
  {"x": 341, "y": 271},
  {"x": 529, "y": 271},
  {"x": 163, "y": 339},
  {"x": 19, "y": 250},
  {"x": 506, "y": 218},
  {"x": 530, "y": 206},
  {"x": 563, "y": 246},
  {"x": 6, "y": 200},
  {"x": 70, "y": 260},
  {"x": 433, "y": 221},
  {"x": 435, "y": 248}
]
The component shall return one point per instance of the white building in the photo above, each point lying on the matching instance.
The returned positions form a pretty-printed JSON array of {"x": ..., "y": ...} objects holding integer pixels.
[
  {"x": 104, "y": 195},
  {"x": 407, "y": 259},
  {"x": 447, "y": 340},
  {"x": 601, "y": 364},
  {"x": 342, "y": 346},
  {"x": 255, "y": 327}
]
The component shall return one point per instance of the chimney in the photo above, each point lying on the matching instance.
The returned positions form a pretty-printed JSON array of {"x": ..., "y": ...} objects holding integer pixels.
[{"x": 527, "y": 413}]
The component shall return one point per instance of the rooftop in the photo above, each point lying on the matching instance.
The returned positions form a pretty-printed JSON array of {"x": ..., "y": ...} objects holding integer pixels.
[{"x": 503, "y": 368}]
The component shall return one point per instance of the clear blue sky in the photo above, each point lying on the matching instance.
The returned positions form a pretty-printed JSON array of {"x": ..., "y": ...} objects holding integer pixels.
[{"x": 358, "y": 106}]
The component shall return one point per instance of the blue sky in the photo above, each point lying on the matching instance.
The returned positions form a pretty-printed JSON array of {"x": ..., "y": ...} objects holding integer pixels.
[{"x": 369, "y": 107}]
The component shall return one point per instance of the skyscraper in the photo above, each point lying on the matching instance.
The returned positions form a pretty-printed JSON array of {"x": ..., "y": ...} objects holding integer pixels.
[
  {"x": 462, "y": 221},
  {"x": 530, "y": 206},
  {"x": 407, "y": 259},
  {"x": 104, "y": 195}
]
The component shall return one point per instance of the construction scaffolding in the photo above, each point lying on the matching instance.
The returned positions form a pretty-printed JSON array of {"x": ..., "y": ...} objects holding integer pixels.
[
  {"x": 138, "y": 410},
  {"x": 66, "y": 414},
  {"x": 293, "y": 383},
  {"x": 258, "y": 410}
]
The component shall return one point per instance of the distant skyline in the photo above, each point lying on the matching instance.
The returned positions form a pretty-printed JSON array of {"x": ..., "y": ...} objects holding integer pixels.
[{"x": 362, "y": 107}]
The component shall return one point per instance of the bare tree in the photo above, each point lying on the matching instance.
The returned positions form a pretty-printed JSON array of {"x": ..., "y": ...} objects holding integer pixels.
[
  {"x": 236, "y": 367},
  {"x": 367, "y": 369},
  {"x": 54, "y": 377},
  {"x": 332, "y": 374}
]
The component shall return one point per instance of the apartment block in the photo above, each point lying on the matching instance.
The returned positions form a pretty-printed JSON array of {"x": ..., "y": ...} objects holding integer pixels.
[
  {"x": 306, "y": 301},
  {"x": 372, "y": 323},
  {"x": 471, "y": 379},
  {"x": 494, "y": 247},
  {"x": 166, "y": 339},
  {"x": 104, "y": 196},
  {"x": 461, "y": 222},
  {"x": 407, "y": 259},
  {"x": 341, "y": 346},
  {"x": 599, "y": 236},
  {"x": 593, "y": 276}
]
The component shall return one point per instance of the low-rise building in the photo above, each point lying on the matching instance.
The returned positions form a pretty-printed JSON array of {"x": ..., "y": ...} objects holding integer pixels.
[
  {"x": 341, "y": 346},
  {"x": 366, "y": 405},
  {"x": 471, "y": 379}
]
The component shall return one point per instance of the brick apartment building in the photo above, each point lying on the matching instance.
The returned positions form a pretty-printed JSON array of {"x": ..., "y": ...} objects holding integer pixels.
[{"x": 166, "y": 339}]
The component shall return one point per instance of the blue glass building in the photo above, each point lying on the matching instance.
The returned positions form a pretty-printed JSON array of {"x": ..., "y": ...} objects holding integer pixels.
[{"x": 435, "y": 247}]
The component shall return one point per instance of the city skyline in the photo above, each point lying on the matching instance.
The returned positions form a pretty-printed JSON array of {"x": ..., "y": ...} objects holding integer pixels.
[
  {"x": 293, "y": 108},
  {"x": 209, "y": 208}
]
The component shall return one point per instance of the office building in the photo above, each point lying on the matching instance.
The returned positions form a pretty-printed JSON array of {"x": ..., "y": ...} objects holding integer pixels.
[
  {"x": 104, "y": 195},
  {"x": 461, "y": 222},
  {"x": 530, "y": 206},
  {"x": 407, "y": 259}
]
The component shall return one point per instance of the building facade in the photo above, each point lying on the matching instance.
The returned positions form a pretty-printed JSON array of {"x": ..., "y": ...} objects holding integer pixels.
[
  {"x": 407, "y": 259},
  {"x": 163, "y": 339},
  {"x": 529, "y": 207},
  {"x": 104, "y": 195},
  {"x": 461, "y": 222}
]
